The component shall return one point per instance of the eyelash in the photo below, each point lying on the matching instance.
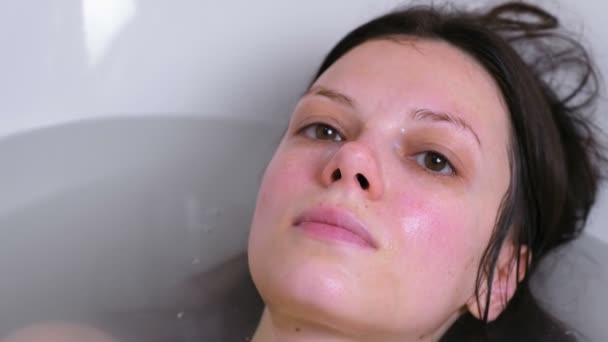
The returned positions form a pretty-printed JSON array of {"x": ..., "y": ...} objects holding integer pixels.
[
  {"x": 310, "y": 132},
  {"x": 306, "y": 131},
  {"x": 451, "y": 170}
]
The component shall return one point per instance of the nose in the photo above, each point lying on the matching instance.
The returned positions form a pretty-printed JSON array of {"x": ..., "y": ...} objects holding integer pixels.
[{"x": 353, "y": 165}]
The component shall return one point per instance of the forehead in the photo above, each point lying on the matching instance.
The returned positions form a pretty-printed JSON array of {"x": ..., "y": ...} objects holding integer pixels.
[{"x": 390, "y": 77}]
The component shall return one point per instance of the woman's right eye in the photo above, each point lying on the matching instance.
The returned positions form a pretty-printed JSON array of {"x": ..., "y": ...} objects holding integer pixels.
[{"x": 321, "y": 131}]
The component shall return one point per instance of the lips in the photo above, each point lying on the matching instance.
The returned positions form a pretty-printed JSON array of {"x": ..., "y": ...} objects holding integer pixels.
[{"x": 335, "y": 224}]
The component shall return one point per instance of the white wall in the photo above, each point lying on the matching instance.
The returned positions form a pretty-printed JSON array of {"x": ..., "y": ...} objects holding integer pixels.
[{"x": 67, "y": 60}]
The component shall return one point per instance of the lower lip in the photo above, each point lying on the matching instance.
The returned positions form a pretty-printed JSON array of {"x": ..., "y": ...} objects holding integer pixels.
[{"x": 330, "y": 232}]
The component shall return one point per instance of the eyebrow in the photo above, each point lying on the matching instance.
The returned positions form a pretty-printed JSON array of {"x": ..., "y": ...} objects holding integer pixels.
[
  {"x": 330, "y": 94},
  {"x": 419, "y": 114},
  {"x": 460, "y": 123}
]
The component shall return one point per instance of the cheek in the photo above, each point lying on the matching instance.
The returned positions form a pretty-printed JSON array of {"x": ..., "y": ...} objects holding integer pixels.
[
  {"x": 439, "y": 242},
  {"x": 286, "y": 179},
  {"x": 436, "y": 225},
  {"x": 286, "y": 174}
]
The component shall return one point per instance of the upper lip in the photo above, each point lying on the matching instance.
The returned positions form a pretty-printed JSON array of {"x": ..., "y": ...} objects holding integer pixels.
[{"x": 337, "y": 217}]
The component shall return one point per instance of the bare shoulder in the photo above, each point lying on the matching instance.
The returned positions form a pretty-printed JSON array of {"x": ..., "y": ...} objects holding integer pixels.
[{"x": 59, "y": 332}]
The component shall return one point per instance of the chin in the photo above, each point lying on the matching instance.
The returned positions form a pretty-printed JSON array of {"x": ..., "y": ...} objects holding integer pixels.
[
  {"x": 314, "y": 290},
  {"x": 307, "y": 286}
]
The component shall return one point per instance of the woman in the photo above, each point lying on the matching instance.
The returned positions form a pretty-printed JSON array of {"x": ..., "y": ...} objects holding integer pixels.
[
  {"x": 434, "y": 160},
  {"x": 431, "y": 164}
]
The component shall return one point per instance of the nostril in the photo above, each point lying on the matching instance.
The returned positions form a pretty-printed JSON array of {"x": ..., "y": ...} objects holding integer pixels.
[
  {"x": 336, "y": 175},
  {"x": 363, "y": 181}
]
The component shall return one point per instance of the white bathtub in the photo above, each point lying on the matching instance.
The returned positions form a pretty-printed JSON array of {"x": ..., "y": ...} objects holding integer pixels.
[
  {"x": 138, "y": 223},
  {"x": 117, "y": 220}
]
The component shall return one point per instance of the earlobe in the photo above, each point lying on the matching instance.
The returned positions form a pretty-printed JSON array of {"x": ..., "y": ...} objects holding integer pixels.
[{"x": 504, "y": 283}]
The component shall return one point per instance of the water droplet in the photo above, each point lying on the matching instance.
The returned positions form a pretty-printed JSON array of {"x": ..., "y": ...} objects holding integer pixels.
[{"x": 180, "y": 315}]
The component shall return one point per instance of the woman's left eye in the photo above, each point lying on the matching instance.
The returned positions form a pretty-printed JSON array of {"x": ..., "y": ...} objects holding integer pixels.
[
  {"x": 435, "y": 163},
  {"x": 321, "y": 131}
]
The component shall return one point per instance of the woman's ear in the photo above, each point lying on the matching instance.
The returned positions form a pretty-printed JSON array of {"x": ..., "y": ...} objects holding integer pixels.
[{"x": 504, "y": 282}]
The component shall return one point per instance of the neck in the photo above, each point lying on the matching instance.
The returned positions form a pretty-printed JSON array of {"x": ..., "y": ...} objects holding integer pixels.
[{"x": 275, "y": 327}]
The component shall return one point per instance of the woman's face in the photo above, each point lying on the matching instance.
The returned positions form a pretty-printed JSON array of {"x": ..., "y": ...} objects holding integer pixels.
[{"x": 381, "y": 197}]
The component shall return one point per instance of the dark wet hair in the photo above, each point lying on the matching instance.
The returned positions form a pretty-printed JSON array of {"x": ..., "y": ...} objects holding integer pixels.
[{"x": 549, "y": 85}]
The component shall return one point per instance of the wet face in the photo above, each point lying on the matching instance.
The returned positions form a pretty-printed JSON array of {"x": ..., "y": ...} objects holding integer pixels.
[{"x": 374, "y": 213}]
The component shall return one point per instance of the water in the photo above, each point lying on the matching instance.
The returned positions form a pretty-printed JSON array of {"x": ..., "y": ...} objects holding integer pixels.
[{"x": 120, "y": 222}]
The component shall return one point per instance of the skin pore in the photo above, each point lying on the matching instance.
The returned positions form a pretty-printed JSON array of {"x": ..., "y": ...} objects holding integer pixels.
[{"x": 419, "y": 133}]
